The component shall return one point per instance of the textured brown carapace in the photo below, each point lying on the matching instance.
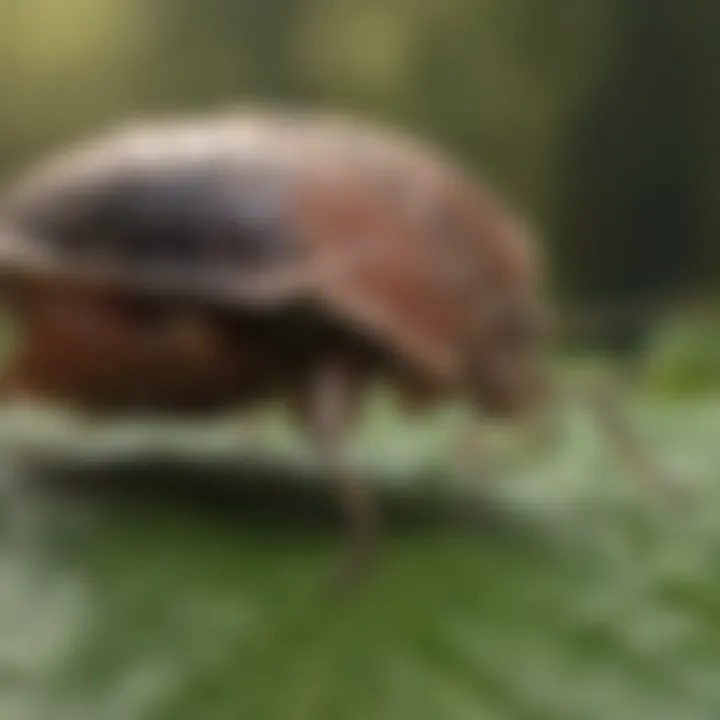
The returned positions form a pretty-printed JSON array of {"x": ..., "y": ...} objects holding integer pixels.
[
  {"x": 208, "y": 264},
  {"x": 192, "y": 265}
]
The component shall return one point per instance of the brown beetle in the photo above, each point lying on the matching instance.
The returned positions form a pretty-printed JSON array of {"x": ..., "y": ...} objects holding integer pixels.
[{"x": 200, "y": 264}]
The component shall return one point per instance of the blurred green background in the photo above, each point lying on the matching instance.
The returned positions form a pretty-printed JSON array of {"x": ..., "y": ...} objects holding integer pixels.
[{"x": 583, "y": 596}]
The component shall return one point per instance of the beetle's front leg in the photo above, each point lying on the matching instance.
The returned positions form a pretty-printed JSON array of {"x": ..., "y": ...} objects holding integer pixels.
[{"x": 331, "y": 406}]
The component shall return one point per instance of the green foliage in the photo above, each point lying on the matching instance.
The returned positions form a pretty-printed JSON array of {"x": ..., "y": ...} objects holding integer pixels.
[
  {"x": 683, "y": 357},
  {"x": 579, "y": 597}
]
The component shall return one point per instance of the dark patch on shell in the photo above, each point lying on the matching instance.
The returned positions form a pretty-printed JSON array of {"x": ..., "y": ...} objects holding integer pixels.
[{"x": 202, "y": 218}]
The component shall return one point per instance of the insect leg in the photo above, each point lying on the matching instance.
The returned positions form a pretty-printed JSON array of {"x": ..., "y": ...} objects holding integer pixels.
[{"x": 331, "y": 404}]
